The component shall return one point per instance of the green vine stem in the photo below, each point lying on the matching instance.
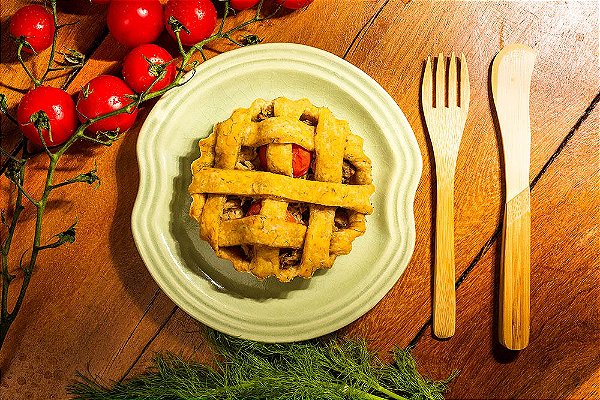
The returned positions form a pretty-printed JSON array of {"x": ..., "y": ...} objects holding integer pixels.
[
  {"x": 54, "y": 40},
  {"x": 14, "y": 168},
  {"x": 20, "y": 46}
]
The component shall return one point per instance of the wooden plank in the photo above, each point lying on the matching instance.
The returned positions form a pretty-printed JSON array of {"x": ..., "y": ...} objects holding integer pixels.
[
  {"x": 393, "y": 52},
  {"x": 93, "y": 304},
  {"x": 562, "y": 359}
]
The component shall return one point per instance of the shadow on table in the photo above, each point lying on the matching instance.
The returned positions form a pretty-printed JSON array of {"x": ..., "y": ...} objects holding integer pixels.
[
  {"x": 500, "y": 353},
  {"x": 130, "y": 267},
  {"x": 432, "y": 194}
]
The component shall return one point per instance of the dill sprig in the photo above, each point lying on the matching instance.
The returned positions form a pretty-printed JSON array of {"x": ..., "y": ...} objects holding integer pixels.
[{"x": 327, "y": 369}]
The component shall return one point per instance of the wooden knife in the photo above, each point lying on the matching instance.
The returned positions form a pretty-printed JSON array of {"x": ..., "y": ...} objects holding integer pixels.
[{"x": 511, "y": 80}]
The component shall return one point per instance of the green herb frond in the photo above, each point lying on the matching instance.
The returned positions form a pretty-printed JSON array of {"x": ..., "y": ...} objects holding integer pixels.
[{"x": 330, "y": 369}]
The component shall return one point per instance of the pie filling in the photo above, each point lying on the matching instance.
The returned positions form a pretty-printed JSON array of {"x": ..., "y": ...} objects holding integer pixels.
[
  {"x": 308, "y": 119},
  {"x": 248, "y": 159},
  {"x": 290, "y": 257},
  {"x": 266, "y": 112}
]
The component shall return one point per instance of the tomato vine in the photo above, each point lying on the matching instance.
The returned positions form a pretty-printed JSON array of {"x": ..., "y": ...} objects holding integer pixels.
[{"x": 15, "y": 160}]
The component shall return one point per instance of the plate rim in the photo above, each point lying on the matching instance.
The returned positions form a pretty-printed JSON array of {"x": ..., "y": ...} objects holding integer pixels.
[{"x": 404, "y": 211}]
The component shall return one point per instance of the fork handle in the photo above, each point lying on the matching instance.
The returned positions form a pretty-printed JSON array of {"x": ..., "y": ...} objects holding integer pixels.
[
  {"x": 515, "y": 273},
  {"x": 444, "y": 297}
]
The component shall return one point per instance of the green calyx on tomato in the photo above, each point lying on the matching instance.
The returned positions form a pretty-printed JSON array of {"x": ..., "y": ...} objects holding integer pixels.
[
  {"x": 148, "y": 65},
  {"x": 195, "y": 20},
  {"x": 47, "y": 113},
  {"x": 102, "y": 95}
]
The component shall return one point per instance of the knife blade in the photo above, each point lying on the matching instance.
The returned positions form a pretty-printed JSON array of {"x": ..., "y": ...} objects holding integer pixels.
[{"x": 512, "y": 70}]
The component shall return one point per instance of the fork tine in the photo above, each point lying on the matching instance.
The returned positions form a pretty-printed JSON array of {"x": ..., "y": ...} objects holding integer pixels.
[
  {"x": 465, "y": 89},
  {"x": 440, "y": 81},
  {"x": 452, "y": 82},
  {"x": 427, "y": 86}
]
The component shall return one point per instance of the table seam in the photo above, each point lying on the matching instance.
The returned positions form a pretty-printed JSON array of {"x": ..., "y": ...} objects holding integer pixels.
[{"x": 150, "y": 341}]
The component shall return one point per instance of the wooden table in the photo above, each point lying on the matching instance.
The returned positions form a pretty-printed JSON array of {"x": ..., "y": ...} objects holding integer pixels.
[{"x": 93, "y": 305}]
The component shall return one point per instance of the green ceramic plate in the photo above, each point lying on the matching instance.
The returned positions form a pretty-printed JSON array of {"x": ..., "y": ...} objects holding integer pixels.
[{"x": 208, "y": 288}]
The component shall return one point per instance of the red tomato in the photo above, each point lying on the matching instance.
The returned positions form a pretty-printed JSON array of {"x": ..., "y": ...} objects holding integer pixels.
[
  {"x": 294, "y": 4},
  {"x": 103, "y": 94},
  {"x": 36, "y": 24},
  {"x": 257, "y": 206},
  {"x": 301, "y": 159},
  {"x": 139, "y": 71},
  {"x": 100, "y": 1},
  {"x": 198, "y": 16},
  {"x": 135, "y": 22},
  {"x": 58, "y": 106},
  {"x": 243, "y": 4}
]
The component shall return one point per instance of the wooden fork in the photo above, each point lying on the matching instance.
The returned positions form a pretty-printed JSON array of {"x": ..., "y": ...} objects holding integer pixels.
[{"x": 445, "y": 125}]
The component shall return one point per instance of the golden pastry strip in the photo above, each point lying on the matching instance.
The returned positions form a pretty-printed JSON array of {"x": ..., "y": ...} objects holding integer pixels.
[
  {"x": 259, "y": 230},
  {"x": 211, "y": 218},
  {"x": 353, "y": 150},
  {"x": 280, "y": 130},
  {"x": 291, "y": 108},
  {"x": 317, "y": 240},
  {"x": 266, "y": 184},
  {"x": 330, "y": 142},
  {"x": 356, "y": 156},
  {"x": 228, "y": 136},
  {"x": 279, "y": 160}
]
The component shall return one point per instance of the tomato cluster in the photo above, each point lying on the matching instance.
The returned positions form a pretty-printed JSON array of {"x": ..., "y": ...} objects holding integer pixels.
[{"x": 146, "y": 68}]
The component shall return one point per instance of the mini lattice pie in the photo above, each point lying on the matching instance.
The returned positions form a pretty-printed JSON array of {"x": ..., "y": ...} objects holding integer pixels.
[{"x": 281, "y": 188}]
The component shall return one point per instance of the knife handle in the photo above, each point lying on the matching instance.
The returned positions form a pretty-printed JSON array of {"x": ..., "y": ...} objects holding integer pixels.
[
  {"x": 444, "y": 297},
  {"x": 515, "y": 273}
]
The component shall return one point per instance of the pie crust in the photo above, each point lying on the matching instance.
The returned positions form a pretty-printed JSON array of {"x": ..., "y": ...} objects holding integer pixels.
[{"x": 334, "y": 194}]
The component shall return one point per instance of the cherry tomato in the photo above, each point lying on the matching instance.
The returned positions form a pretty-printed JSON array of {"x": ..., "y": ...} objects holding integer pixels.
[
  {"x": 139, "y": 71},
  {"x": 135, "y": 22},
  {"x": 103, "y": 94},
  {"x": 198, "y": 16},
  {"x": 294, "y": 4},
  {"x": 60, "y": 109},
  {"x": 36, "y": 24},
  {"x": 100, "y": 1},
  {"x": 301, "y": 159},
  {"x": 257, "y": 206},
  {"x": 243, "y": 4}
]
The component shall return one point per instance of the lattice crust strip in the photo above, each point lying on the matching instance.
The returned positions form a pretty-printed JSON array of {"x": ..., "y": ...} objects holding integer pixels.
[{"x": 278, "y": 125}]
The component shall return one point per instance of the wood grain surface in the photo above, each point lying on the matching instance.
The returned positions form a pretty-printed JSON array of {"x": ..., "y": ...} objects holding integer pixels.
[
  {"x": 562, "y": 355},
  {"x": 93, "y": 306}
]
